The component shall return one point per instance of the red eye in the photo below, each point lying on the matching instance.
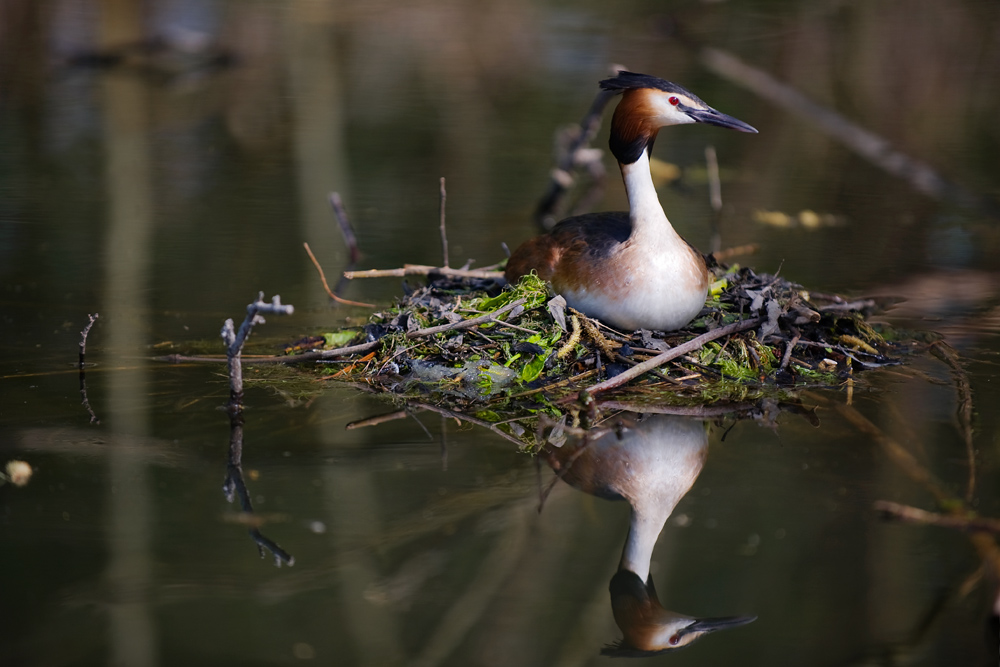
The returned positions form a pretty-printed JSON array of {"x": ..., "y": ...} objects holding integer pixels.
[
  {"x": 675, "y": 638},
  {"x": 674, "y": 101}
]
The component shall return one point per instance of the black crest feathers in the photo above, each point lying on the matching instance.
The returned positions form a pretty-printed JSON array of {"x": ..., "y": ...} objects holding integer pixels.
[{"x": 633, "y": 81}]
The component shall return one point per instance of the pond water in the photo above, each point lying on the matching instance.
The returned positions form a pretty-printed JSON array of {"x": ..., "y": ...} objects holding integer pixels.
[{"x": 163, "y": 188}]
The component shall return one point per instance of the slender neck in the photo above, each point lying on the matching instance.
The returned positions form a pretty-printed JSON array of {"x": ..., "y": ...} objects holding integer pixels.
[
  {"x": 643, "y": 530},
  {"x": 644, "y": 206}
]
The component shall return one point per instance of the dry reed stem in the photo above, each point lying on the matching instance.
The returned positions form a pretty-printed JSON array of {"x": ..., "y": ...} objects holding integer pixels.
[
  {"x": 424, "y": 270},
  {"x": 322, "y": 277}
]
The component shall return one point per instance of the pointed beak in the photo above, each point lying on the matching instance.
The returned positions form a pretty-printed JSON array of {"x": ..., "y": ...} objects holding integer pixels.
[
  {"x": 713, "y": 117},
  {"x": 713, "y": 624}
]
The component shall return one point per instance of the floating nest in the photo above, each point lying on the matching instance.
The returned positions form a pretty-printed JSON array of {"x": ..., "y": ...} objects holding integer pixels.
[{"x": 503, "y": 355}]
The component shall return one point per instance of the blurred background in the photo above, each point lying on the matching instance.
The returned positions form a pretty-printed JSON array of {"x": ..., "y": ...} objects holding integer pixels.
[{"x": 162, "y": 161}]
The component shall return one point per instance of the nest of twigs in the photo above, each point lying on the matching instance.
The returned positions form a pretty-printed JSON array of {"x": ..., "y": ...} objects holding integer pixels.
[{"x": 500, "y": 353}]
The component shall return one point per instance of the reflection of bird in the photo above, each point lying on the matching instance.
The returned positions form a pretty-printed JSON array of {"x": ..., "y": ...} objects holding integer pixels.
[
  {"x": 648, "y": 627},
  {"x": 650, "y": 464},
  {"x": 632, "y": 269}
]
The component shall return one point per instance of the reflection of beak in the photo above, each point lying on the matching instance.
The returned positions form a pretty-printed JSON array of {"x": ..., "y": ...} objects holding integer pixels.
[
  {"x": 713, "y": 117},
  {"x": 713, "y": 624}
]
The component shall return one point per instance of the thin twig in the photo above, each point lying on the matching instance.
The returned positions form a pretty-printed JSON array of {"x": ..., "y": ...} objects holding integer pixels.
[
  {"x": 514, "y": 326},
  {"x": 377, "y": 419},
  {"x": 346, "y": 229},
  {"x": 465, "y": 324},
  {"x": 788, "y": 351},
  {"x": 83, "y": 373},
  {"x": 424, "y": 270},
  {"x": 673, "y": 353},
  {"x": 444, "y": 231},
  {"x": 329, "y": 291},
  {"x": 916, "y": 515}
]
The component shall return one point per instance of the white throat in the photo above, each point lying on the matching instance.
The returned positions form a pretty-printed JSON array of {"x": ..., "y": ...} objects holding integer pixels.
[{"x": 644, "y": 206}]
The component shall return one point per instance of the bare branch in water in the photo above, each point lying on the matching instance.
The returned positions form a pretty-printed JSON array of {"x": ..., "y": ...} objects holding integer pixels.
[
  {"x": 235, "y": 339},
  {"x": 83, "y": 337},
  {"x": 83, "y": 374}
]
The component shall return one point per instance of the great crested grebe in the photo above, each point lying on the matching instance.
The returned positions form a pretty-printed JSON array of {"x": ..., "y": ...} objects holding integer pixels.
[
  {"x": 652, "y": 463},
  {"x": 631, "y": 270}
]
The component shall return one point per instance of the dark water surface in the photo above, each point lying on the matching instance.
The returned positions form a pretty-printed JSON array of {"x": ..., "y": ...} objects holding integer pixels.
[{"x": 163, "y": 192}]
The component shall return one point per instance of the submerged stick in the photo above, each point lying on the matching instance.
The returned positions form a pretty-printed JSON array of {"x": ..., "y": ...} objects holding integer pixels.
[
  {"x": 322, "y": 277},
  {"x": 561, "y": 178},
  {"x": 444, "y": 232},
  {"x": 424, "y": 270},
  {"x": 673, "y": 353},
  {"x": 714, "y": 198},
  {"x": 346, "y": 229}
]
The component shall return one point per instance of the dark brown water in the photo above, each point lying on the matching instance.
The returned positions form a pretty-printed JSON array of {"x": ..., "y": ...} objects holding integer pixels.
[{"x": 164, "y": 193}]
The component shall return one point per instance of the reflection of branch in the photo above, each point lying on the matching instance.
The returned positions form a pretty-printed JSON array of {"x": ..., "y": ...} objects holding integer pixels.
[
  {"x": 891, "y": 510},
  {"x": 467, "y": 418},
  {"x": 899, "y": 454},
  {"x": 865, "y": 143},
  {"x": 83, "y": 374},
  {"x": 947, "y": 354},
  {"x": 234, "y": 487}
]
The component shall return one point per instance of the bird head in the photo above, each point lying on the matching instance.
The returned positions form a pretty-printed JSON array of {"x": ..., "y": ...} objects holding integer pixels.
[{"x": 649, "y": 103}]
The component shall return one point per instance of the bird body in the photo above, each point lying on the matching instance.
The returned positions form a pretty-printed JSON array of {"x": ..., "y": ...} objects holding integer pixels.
[{"x": 632, "y": 270}]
